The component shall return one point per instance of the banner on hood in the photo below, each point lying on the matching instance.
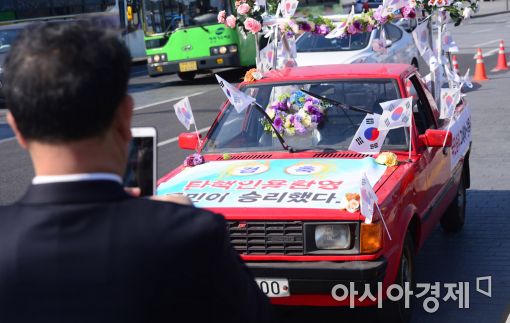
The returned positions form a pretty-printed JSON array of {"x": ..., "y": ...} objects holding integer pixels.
[{"x": 279, "y": 183}]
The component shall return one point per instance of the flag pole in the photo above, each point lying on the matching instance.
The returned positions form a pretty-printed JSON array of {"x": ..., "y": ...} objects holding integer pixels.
[
  {"x": 410, "y": 134},
  {"x": 447, "y": 129},
  {"x": 382, "y": 219},
  {"x": 198, "y": 134}
]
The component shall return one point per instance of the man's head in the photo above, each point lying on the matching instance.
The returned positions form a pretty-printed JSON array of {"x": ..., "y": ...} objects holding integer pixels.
[{"x": 66, "y": 84}]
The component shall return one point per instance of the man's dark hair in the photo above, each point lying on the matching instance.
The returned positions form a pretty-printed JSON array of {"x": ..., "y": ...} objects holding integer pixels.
[{"x": 65, "y": 80}]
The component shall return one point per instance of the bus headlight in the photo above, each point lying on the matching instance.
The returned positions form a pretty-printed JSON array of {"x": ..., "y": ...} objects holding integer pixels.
[
  {"x": 156, "y": 58},
  {"x": 332, "y": 236},
  {"x": 232, "y": 48},
  {"x": 149, "y": 59},
  {"x": 215, "y": 51},
  {"x": 223, "y": 50}
]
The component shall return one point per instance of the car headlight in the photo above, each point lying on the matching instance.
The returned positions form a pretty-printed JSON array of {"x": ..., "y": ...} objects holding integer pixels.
[
  {"x": 221, "y": 50},
  {"x": 332, "y": 236}
]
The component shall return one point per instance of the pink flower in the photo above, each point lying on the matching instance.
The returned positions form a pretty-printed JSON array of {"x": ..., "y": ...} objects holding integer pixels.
[
  {"x": 231, "y": 21},
  {"x": 243, "y": 8},
  {"x": 221, "y": 16},
  {"x": 252, "y": 25}
]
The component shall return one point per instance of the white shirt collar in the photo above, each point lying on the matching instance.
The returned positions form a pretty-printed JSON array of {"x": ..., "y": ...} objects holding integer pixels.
[{"x": 47, "y": 179}]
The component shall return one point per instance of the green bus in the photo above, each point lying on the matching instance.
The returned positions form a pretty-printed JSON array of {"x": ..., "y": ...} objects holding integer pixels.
[{"x": 184, "y": 37}]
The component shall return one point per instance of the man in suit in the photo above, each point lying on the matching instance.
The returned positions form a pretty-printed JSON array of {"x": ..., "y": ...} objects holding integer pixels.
[{"x": 76, "y": 247}]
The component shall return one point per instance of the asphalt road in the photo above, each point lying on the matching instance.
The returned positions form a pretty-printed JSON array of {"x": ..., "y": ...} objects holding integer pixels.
[{"x": 482, "y": 249}]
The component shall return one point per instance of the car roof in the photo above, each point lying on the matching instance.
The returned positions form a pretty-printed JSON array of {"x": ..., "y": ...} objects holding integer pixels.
[{"x": 339, "y": 71}]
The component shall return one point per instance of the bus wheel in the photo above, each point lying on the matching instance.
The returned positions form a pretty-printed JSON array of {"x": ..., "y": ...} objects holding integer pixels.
[{"x": 187, "y": 76}]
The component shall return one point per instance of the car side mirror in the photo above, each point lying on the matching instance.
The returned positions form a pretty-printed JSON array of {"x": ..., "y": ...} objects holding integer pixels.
[
  {"x": 189, "y": 140},
  {"x": 436, "y": 138},
  {"x": 388, "y": 43}
]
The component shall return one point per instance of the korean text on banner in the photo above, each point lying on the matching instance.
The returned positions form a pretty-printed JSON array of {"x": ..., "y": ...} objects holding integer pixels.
[
  {"x": 239, "y": 100},
  {"x": 461, "y": 135},
  {"x": 184, "y": 113},
  {"x": 396, "y": 113},
  {"x": 368, "y": 138}
]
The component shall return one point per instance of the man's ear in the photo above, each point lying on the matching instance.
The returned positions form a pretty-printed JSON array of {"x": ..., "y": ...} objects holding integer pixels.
[
  {"x": 14, "y": 126},
  {"x": 123, "y": 117}
]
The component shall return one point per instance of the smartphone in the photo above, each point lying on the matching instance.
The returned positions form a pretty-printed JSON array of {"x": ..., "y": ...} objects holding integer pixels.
[{"x": 141, "y": 166}]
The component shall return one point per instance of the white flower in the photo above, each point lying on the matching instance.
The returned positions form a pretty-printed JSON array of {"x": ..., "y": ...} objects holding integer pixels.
[
  {"x": 467, "y": 13},
  {"x": 270, "y": 112}
]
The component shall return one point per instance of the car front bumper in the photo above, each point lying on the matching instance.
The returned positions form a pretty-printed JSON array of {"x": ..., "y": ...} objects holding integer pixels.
[
  {"x": 204, "y": 63},
  {"x": 319, "y": 278}
]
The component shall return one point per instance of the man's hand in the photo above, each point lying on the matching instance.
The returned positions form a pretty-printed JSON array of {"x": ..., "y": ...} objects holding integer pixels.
[{"x": 174, "y": 198}]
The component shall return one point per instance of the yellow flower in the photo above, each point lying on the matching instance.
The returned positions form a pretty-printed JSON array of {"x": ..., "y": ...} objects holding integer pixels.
[
  {"x": 306, "y": 121},
  {"x": 271, "y": 113},
  {"x": 387, "y": 158}
]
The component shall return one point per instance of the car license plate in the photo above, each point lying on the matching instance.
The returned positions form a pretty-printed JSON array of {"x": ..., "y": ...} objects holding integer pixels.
[
  {"x": 274, "y": 287},
  {"x": 188, "y": 66}
]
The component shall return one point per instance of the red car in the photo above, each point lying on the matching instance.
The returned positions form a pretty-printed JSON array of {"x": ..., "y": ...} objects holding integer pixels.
[{"x": 286, "y": 191}]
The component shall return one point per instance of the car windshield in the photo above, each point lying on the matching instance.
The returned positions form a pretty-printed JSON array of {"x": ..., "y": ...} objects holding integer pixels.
[
  {"x": 7, "y": 37},
  {"x": 310, "y": 42},
  {"x": 167, "y": 15},
  {"x": 331, "y": 129}
]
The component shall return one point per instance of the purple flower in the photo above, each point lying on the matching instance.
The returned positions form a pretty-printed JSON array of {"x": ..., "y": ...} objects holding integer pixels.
[
  {"x": 194, "y": 160},
  {"x": 408, "y": 12},
  {"x": 305, "y": 26},
  {"x": 379, "y": 17},
  {"x": 322, "y": 29},
  {"x": 358, "y": 25},
  {"x": 351, "y": 29},
  {"x": 278, "y": 123},
  {"x": 313, "y": 110},
  {"x": 300, "y": 129},
  {"x": 369, "y": 28},
  {"x": 292, "y": 118}
]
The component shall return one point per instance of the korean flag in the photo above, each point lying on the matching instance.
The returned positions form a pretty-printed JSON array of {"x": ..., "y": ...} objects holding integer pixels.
[
  {"x": 239, "y": 100},
  {"x": 184, "y": 113},
  {"x": 449, "y": 100},
  {"x": 368, "y": 139},
  {"x": 368, "y": 198},
  {"x": 396, "y": 113}
]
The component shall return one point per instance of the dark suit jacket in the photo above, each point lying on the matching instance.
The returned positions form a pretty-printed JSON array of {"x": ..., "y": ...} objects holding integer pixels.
[{"x": 88, "y": 252}]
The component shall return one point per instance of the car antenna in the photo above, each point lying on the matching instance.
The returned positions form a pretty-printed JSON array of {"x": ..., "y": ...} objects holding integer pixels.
[
  {"x": 336, "y": 103},
  {"x": 278, "y": 135}
]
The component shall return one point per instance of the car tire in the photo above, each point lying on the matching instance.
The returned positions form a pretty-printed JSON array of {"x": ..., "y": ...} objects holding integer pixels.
[
  {"x": 453, "y": 219},
  {"x": 187, "y": 76},
  {"x": 396, "y": 311}
]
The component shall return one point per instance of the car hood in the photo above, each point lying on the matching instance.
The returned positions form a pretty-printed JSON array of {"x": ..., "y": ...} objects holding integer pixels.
[
  {"x": 306, "y": 183},
  {"x": 327, "y": 58}
]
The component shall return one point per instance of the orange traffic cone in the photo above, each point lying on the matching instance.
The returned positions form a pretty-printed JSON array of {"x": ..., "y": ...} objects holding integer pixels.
[
  {"x": 480, "y": 74},
  {"x": 501, "y": 58},
  {"x": 455, "y": 64}
]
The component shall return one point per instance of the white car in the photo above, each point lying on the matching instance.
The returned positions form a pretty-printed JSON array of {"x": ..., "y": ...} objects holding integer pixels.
[{"x": 314, "y": 49}]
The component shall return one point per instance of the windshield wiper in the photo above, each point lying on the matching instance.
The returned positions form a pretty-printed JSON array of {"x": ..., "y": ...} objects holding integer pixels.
[
  {"x": 278, "y": 135},
  {"x": 336, "y": 103},
  {"x": 203, "y": 27}
]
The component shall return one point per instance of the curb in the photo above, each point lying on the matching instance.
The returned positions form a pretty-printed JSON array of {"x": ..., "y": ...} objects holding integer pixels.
[{"x": 490, "y": 14}]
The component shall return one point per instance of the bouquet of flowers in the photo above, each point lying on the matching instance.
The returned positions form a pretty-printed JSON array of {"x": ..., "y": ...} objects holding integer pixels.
[
  {"x": 248, "y": 17},
  {"x": 294, "y": 114}
]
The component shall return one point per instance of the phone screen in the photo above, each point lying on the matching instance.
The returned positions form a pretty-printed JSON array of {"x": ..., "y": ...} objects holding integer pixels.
[{"x": 140, "y": 166}]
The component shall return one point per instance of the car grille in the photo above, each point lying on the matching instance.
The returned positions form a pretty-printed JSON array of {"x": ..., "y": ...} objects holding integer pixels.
[{"x": 267, "y": 237}]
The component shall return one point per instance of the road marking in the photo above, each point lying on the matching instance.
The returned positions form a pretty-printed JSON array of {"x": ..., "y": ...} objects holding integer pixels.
[
  {"x": 167, "y": 101},
  {"x": 489, "y": 53},
  {"x": 481, "y": 31},
  {"x": 7, "y": 139},
  {"x": 174, "y": 139},
  {"x": 486, "y": 43}
]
